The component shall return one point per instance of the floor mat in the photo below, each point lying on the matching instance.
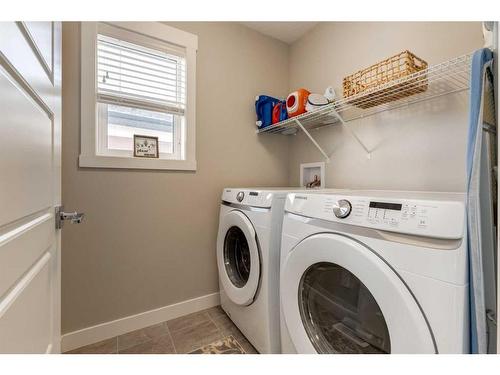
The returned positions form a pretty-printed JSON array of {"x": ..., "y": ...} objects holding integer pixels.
[{"x": 227, "y": 345}]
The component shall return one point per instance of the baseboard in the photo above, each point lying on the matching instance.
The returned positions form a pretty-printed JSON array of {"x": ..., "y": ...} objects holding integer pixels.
[{"x": 90, "y": 335}]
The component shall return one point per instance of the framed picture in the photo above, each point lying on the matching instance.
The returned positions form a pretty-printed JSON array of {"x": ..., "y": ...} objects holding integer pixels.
[
  {"x": 312, "y": 175},
  {"x": 145, "y": 146}
]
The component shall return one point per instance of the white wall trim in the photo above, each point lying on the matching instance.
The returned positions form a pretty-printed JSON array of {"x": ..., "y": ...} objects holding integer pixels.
[
  {"x": 155, "y": 29},
  {"x": 100, "y": 161},
  {"x": 103, "y": 331}
]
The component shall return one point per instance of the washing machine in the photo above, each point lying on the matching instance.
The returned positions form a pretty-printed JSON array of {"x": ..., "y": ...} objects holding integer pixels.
[
  {"x": 248, "y": 251},
  {"x": 374, "y": 272}
]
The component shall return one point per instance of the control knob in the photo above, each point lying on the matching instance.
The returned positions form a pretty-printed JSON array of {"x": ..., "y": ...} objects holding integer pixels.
[{"x": 342, "y": 208}]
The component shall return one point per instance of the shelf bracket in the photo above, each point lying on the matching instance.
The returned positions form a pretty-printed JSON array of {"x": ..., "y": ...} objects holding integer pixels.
[
  {"x": 368, "y": 152},
  {"x": 312, "y": 140}
]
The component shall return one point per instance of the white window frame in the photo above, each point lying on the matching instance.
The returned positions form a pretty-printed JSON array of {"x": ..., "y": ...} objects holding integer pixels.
[{"x": 89, "y": 130}]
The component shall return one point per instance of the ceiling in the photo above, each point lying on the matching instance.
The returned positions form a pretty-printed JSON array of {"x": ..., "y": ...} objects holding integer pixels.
[{"x": 287, "y": 32}]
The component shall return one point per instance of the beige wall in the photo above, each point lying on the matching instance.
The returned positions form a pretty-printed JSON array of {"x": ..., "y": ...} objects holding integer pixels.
[
  {"x": 417, "y": 148},
  {"x": 148, "y": 239}
]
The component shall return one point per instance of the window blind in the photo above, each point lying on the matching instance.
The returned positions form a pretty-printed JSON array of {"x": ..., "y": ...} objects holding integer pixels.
[{"x": 132, "y": 75}]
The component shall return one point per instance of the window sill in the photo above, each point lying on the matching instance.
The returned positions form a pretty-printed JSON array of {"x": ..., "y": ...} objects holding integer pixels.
[{"x": 98, "y": 161}]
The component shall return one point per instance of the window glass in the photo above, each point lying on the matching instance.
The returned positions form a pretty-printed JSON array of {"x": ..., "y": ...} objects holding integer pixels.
[
  {"x": 124, "y": 122},
  {"x": 140, "y": 91}
]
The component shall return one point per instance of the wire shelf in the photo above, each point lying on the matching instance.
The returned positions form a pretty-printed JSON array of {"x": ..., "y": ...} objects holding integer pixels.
[{"x": 438, "y": 80}]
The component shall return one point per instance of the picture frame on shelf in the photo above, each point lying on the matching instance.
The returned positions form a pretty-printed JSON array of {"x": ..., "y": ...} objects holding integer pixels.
[
  {"x": 146, "y": 146},
  {"x": 312, "y": 175}
]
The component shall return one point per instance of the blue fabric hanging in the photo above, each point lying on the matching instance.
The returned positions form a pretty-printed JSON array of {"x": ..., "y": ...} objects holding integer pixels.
[
  {"x": 479, "y": 59},
  {"x": 478, "y": 324}
]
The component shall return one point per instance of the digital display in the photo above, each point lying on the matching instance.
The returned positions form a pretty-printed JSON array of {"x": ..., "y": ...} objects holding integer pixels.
[
  {"x": 254, "y": 193},
  {"x": 386, "y": 206}
]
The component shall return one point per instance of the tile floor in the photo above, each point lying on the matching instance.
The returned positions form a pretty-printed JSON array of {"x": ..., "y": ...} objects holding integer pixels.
[{"x": 206, "y": 332}]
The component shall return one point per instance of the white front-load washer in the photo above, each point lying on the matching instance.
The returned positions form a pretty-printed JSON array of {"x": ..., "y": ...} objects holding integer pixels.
[
  {"x": 248, "y": 250},
  {"x": 374, "y": 272}
]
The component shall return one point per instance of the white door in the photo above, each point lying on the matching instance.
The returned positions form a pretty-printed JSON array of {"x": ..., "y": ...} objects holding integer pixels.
[
  {"x": 238, "y": 258},
  {"x": 30, "y": 186},
  {"x": 339, "y": 297}
]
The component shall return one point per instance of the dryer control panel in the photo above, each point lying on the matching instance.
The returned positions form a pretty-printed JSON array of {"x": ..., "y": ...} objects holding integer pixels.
[
  {"x": 247, "y": 197},
  {"x": 441, "y": 215}
]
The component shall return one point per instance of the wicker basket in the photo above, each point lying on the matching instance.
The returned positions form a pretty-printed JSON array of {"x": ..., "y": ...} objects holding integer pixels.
[{"x": 371, "y": 79}]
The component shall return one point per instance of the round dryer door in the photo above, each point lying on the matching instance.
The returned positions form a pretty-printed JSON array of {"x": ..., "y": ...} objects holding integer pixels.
[
  {"x": 338, "y": 296},
  {"x": 238, "y": 258}
]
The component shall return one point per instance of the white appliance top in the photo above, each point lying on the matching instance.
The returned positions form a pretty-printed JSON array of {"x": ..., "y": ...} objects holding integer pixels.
[
  {"x": 255, "y": 197},
  {"x": 428, "y": 214},
  {"x": 263, "y": 196}
]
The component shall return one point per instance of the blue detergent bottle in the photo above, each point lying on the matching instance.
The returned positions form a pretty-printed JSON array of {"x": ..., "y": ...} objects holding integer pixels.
[{"x": 264, "y": 109}]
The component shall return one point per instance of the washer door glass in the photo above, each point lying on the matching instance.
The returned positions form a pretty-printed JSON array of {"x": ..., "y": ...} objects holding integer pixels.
[
  {"x": 339, "y": 313},
  {"x": 237, "y": 257}
]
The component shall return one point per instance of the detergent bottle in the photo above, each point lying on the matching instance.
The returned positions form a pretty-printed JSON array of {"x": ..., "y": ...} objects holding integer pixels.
[
  {"x": 264, "y": 109},
  {"x": 279, "y": 112},
  {"x": 296, "y": 102}
]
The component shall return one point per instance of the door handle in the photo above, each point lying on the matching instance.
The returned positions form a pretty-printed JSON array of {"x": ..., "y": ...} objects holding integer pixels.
[{"x": 73, "y": 217}]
